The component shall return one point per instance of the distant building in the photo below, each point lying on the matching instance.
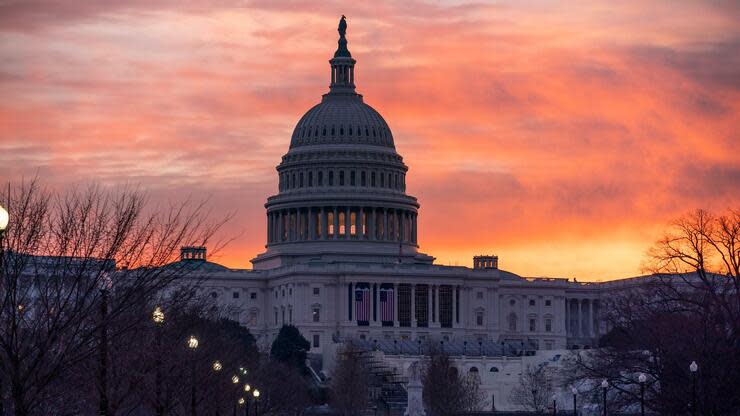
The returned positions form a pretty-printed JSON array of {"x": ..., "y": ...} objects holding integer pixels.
[{"x": 342, "y": 261}]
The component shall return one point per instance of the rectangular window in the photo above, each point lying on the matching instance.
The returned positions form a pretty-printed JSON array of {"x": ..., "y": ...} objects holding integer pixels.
[
  {"x": 316, "y": 313},
  {"x": 532, "y": 325},
  {"x": 421, "y": 303},
  {"x": 479, "y": 295},
  {"x": 479, "y": 318},
  {"x": 276, "y": 317},
  {"x": 548, "y": 325},
  {"x": 316, "y": 340},
  {"x": 253, "y": 295},
  {"x": 235, "y": 295},
  {"x": 531, "y": 302},
  {"x": 290, "y": 315},
  {"x": 548, "y": 345},
  {"x": 548, "y": 302},
  {"x": 316, "y": 290},
  {"x": 404, "y": 305}
]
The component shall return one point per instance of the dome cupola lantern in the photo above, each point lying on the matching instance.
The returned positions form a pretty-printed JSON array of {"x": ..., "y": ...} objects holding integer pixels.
[{"x": 342, "y": 64}]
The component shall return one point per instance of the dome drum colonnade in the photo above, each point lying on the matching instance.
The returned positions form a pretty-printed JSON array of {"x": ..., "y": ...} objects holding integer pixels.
[{"x": 342, "y": 181}]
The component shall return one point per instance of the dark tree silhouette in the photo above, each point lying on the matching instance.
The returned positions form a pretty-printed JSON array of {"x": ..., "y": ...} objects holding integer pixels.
[
  {"x": 687, "y": 310},
  {"x": 290, "y": 347}
]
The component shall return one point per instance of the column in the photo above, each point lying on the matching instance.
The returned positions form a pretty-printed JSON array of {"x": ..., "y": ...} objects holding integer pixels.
[
  {"x": 311, "y": 224},
  {"x": 429, "y": 306},
  {"x": 401, "y": 224},
  {"x": 413, "y": 226},
  {"x": 350, "y": 303},
  {"x": 322, "y": 229},
  {"x": 398, "y": 304},
  {"x": 590, "y": 322},
  {"x": 385, "y": 224},
  {"x": 299, "y": 224},
  {"x": 358, "y": 223},
  {"x": 436, "y": 304},
  {"x": 372, "y": 218},
  {"x": 413, "y": 306},
  {"x": 579, "y": 332},
  {"x": 373, "y": 291},
  {"x": 347, "y": 224},
  {"x": 567, "y": 318},
  {"x": 280, "y": 225},
  {"x": 377, "y": 303},
  {"x": 454, "y": 306},
  {"x": 336, "y": 223},
  {"x": 269, "y": 228}
]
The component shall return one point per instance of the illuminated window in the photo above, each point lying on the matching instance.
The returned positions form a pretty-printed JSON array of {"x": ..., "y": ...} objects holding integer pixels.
[
  {"x": 353, "y": 223},
  {"x": 330, "y": 223},
  {"x": 341, "y": 223}
]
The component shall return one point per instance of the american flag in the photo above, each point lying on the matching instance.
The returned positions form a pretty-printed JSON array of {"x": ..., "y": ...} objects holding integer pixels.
[
  {"x": 362, "y": 304},
  {"x": 386, "y": 304}
]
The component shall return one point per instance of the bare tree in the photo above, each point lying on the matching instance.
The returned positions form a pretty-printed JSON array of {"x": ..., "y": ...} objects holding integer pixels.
[
  {"x": 284, "y": 389},
  {"x": 72, "y": 259},
  {"x": 687, "y": 310},
  {"x": 350, "y": 394},
  {"x": 534, "y": 390}
]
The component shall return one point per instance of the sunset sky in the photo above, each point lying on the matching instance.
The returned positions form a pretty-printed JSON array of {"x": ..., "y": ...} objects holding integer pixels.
[{"x": 562, "y": 136}]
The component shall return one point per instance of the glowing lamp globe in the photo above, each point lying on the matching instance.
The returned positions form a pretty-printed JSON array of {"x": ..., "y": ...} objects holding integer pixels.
[
  {"x": 192, "y": 342},
  {"x": 158, "y": 316},
  {"x": 256, "y": 393},
  {"x": 235, "y": 379},
  {"x": 217, "y": 365},
  {"x": 693, "y": 367},
  {"x": 604, "y": 384},
  {"x": 4, "y": 218},
  {"x": 247, "y": 387},
  {"x": 642, "y": 378}
]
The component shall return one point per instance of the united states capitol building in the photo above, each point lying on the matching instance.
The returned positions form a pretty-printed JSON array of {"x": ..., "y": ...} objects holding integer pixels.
[{"x": 343, "y": 261}]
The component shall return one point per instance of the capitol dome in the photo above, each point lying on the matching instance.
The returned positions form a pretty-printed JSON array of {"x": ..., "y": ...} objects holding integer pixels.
[
  {"x": 342, "y": 119},
  {"x": 341, "y": 185}
]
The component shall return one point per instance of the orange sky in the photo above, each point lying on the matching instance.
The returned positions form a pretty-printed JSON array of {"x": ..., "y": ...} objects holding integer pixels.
[{"x": 561, "y": 136}]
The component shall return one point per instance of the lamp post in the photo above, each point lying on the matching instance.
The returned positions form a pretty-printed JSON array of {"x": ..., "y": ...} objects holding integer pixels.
[
  {"x": 604, "y": 386},
  {"x": 217, "y": 366},
  {"x": 693, "y": 367},
  {"x": 105, "y": 285},
  {"x": 193, "y": 345},
  {"x": 4, "y": 218},
  {"x": 256, "y": 395},
  {"x": 575, "y": 403},
  {"x": 642, "y": 379},
  {"x": 535, "y": 401},
  {"x": 235, "y": 381},
  {"x": 554, "y": 405},
  {"x": 158, "y": 318},
  {"x": 247, "y": 389}
]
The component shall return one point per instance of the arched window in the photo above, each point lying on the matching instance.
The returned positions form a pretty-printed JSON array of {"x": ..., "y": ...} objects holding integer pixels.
[
  {"x": 323, "y": 131},
  {"x": 372, "y": 179},
  {"x": 341, "y": 178},
  {"x": 512, "y": 302},
  {"x": 362, "y": 178},
  {"x": 341, "y": 131},
  {"x": 292, "y": 181},
  {"x": 332, "y": 130},
  {"x": 321, "y": 178},
  {"x": 310, "y": 179},
  {"x": 331, "y": 178},
  {"x": 352, "y": 178},
  {"x": 494, "y": 369},
  {"x": 473, "y": 370},
  {"x": 300, "y": 180},
  {"x": 512, "y": 322}
]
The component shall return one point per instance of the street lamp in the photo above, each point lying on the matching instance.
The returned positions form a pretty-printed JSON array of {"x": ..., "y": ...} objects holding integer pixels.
[
  {"x": 642, "y": 379},
  {"x": 193, "y": 345},
  {"x": 534, "y": 400},
  {"x": 574, "y": 390},
  {"x": 104, "y": 284},
  {"x": 4, "y": 219},
  {"x": 554, "y": 405},
  {"x": 247, "y": 388},
  {"x": 158, "y": 318},
  {"x": 604, "y": 386},
  {"x": 217, "y": 366},
  {"x": 693, "y": 367},
  {"x": 256, "y": 395},
  {"x": 234, "y": 379}
]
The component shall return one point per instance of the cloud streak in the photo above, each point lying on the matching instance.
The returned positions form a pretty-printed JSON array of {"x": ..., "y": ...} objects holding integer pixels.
[{"x": 561, "y": 136}]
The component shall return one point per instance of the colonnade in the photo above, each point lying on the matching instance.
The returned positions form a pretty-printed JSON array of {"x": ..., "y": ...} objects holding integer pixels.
[
  {"x": 335, "y": 223},
  {"x": 413, "y": 305},
  {"x": 582, "y": 317}
]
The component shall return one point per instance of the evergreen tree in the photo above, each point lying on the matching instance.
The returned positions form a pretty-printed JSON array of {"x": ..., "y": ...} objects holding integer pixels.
[{"x": 290, "y": 347}]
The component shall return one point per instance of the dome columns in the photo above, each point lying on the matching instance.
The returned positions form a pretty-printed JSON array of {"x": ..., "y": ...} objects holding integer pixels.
[{"x": 343, "y": 222}]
